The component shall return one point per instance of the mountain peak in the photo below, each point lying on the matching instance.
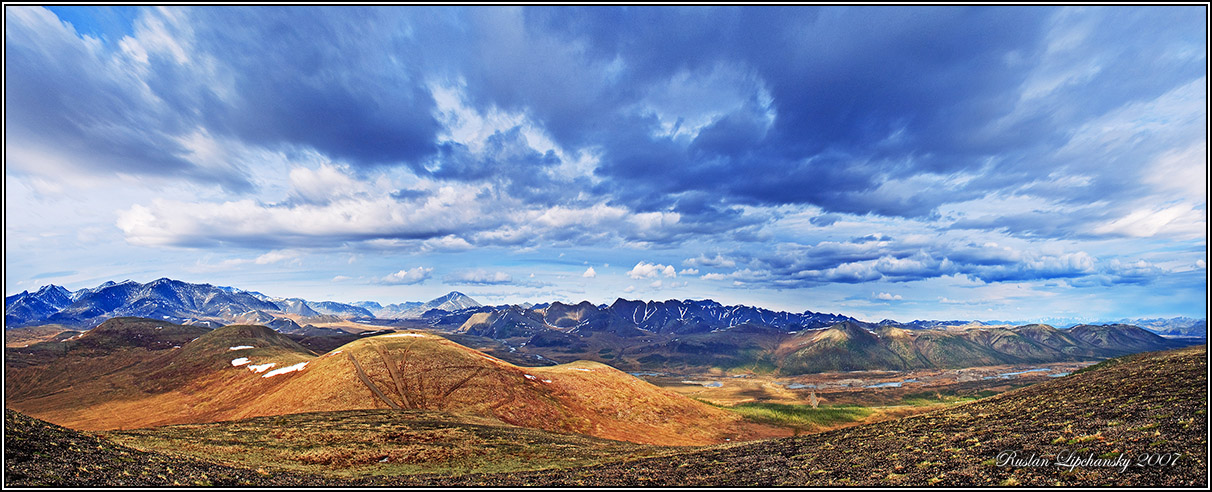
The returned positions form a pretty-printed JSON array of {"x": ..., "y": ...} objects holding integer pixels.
[{"x": 452, "y": 301}]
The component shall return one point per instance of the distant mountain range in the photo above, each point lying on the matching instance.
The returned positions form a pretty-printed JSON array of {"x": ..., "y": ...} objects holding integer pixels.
[
  {"x": 640, "y": 335},
  {"x": 199, "y": 304}
]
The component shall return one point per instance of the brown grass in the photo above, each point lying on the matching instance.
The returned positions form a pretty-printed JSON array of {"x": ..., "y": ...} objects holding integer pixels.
[{"x": 430, "y": 373}]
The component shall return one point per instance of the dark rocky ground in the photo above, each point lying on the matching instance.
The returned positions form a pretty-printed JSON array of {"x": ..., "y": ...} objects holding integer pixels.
[{"x": 1124, "y": 409}]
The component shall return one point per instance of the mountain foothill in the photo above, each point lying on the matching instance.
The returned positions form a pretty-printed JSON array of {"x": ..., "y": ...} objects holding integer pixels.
[{"x": 129, "y": 355}]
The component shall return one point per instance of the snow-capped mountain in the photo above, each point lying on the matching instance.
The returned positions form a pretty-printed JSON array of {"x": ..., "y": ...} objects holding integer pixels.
[
  {"x": 166, "y": 299},
  {"x": 28, "y": 306}
]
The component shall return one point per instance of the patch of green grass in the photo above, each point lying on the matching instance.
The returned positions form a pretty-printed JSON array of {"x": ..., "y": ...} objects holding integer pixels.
[{"x": 801, "y": 416}]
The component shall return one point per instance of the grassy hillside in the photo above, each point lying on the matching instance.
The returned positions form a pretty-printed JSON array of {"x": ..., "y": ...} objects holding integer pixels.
[
  {"x": 416, "y": 371},
  {"x": 28, "y": 335},
  {"x": 238, "y": 372},
  {"x": 1136, "y": 406},
  {"x": 1152, "y": 403},
  {"x": 359, "y": 443}
]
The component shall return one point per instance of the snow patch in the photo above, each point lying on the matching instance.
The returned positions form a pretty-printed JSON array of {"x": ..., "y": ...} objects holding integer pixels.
[
  {"x": 582, "y": 369},
  {"x": 239, "y": 362},
  {"x": 284, "y": 370},
  {"x": 532, "y": 378},
  {"x": 262, "y": 367},
  {"x": 239, "y": 347}
]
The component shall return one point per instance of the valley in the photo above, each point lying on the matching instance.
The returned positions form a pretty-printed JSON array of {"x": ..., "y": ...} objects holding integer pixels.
[
  {"x": 263, "y": 390},
  {"x": 1153, "y": 403}
]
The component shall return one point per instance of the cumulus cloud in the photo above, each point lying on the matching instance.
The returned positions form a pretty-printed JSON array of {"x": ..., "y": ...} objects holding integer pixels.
[
  {"x": 884, "y": 296},
  {"x": 415, "y": 275},
  {"x": 650, "y": 270},
  {"x": 717, "y": 261},
  {"x": 479, "y": 277},
  {"x": 589, "y": 273}
]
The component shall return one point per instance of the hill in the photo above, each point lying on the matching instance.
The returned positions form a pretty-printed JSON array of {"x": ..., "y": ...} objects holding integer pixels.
[
  {"x": 29, "y": 335},
  {"x": 761, "y": 348},
  {"x": 1139, "y": 407},
  {"x": 248, "y": 371}
]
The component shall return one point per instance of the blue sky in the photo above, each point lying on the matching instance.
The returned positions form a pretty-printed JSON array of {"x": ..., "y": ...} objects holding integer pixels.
[{"x": 1012, "y": 163}]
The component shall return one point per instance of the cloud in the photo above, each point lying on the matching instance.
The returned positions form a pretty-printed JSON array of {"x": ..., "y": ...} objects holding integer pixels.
[
  {"x": 650, "y": 270},
  {"x": 479, "y": 277},
  {"x": 717, "y": 261},
  {"x": 884, "y": 296},
  {"x": 415, "y": 275},
  {"x": 77, "y": 105},
  {"x": 589, "y": 273},
  {"x": 275, "y": 256},
  {"x": 992, "y": 145}
]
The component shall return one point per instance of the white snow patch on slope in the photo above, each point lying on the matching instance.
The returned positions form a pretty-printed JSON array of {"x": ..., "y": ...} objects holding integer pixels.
[
  {"x": 239, "y": 362},
  {"x": 284, "y": 370},
  {"x": 582, "y": 369},
  {"x": 262, "y": 367},
  {"x": 240, "y": 347}
]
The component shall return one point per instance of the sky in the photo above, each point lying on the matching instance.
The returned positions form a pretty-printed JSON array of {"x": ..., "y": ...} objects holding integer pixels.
[{"x": 903, "y": 162}]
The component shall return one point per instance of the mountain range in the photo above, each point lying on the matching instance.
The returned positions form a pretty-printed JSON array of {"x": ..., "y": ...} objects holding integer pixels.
[{"x": 671, "y": 335}]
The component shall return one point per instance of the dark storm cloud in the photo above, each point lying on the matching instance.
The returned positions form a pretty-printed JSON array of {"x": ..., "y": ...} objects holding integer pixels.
[
  {"x": 863, "y": 97},
  {"x": 344, "y": 81},
  {"x": 840, "y": 89}
]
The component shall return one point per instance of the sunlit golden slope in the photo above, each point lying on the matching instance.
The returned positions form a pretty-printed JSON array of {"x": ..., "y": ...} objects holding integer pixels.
[{"x": 216, "y": 377}]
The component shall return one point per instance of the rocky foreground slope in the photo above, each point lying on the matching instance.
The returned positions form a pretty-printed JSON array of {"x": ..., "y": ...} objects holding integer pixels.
[{"x": 1137, "y": 421}]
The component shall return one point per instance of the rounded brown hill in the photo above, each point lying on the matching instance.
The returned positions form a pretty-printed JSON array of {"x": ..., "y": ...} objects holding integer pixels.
[
  {"x": 250, "y": 371},
  {"x": 427, "y": 372}
]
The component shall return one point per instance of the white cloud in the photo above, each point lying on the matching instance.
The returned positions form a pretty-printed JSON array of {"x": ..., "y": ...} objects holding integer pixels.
[
  {"x": 884, "y": 296},
  {"x": 408, "y": 277},
  {"x": 718, "y": 261},
  {"x": 1179, "y": 220},
  {"x": 479, "y": 277},
  {"x": 275, "y": 256},
  {"x": 651, "y": 270},
  {"x": 689, "y": 271},
  {"x": 322, "y": 185},
  {"x": 589, "y": 273}
]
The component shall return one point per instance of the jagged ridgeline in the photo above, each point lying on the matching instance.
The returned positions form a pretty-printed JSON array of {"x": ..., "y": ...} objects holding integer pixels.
[{"x": 673, "y": 335}]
